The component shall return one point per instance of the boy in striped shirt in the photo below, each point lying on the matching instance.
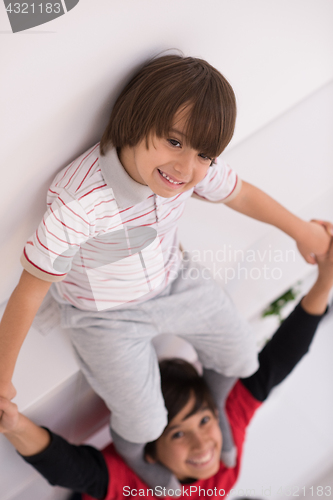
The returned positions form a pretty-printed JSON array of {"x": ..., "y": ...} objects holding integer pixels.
[{"x": 109, "y": 243}]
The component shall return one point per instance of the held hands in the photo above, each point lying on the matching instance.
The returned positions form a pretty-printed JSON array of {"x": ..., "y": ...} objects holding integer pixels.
[
  {"x": 9, "y": 422},
  {"x": 26, "y": 437},
  {"x": 325, "y": 266},
  {"x": 7, "y": 391},
  {"x": 315, "y": 301},
  {"x": 315, "y": 240}
]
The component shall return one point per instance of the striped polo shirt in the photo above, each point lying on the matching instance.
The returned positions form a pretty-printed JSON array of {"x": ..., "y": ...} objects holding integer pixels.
[{"x": 107, "y": 240}]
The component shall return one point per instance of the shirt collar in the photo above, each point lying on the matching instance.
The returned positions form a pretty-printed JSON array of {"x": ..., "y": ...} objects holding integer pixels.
[{"x": 126, "y": 190}]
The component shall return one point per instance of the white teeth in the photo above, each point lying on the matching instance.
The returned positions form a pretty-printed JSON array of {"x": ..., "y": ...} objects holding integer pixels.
[
  {"x": 168, "y": 178},
  {"x": 203, "y": 459}
]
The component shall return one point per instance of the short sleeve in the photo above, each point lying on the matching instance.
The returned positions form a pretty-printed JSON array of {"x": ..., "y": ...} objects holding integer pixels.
[
  {"x": 221, "y": 184},
  {"x": 49, "y": 253}
]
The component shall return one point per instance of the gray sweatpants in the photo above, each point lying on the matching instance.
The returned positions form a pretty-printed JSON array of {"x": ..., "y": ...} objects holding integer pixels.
[{"x": 116, "y": 354}]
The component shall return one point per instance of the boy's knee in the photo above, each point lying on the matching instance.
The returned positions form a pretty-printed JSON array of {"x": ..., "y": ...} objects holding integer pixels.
[{"x": 140, "y": 428}]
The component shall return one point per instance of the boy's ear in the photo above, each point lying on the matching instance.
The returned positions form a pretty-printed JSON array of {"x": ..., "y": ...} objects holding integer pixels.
[{"x": 150, "y": 459}]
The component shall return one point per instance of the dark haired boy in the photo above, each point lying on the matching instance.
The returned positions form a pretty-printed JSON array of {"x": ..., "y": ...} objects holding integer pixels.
[
  {"x": 191, "y": 442},
  {"x": 109, "y": 243}
]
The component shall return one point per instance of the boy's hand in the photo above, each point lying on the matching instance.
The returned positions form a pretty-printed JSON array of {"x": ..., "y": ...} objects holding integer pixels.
[
  {"x": 315, "y": 240},
  {"x": 328, "y": 226},
  {"x": 10, "y": 416},
  {"x": 315, "y": 301},
  {"x": 28, "y": 438},
  {"x": 325, "y": 267},
  {"x": 7, "y": 390}
]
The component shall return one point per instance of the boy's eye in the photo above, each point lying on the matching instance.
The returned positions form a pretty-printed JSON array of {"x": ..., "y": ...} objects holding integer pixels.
[
  {"x": 207, "y": 158},
  {"x": 205, "y": 420},
  {"x": 174, "y": 142},
  {"x": 177, "y": 435}
]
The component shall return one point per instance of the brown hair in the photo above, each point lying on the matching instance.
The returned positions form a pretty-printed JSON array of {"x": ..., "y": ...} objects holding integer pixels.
[
  {"x": 179, "y": 380},
  {"x": 150, "y": 100}
]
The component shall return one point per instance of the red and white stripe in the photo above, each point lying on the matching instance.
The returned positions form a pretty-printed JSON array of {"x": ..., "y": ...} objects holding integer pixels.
[{"x": 82, "y": 210}]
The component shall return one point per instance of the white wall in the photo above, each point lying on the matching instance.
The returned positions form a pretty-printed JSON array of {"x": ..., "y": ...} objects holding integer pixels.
[{"x": 59, "y": 80}]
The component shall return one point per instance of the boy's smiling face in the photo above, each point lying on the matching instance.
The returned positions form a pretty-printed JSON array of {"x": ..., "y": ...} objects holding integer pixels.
[
  {"x": 190, "y": 446},
  {"x": 169, "y": 166}
]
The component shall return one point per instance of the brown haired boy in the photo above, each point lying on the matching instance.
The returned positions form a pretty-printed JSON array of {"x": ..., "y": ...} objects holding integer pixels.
[{"x": 109, "y": 242}]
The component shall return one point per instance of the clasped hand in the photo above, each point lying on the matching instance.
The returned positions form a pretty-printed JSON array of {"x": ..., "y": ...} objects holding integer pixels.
[{"x": 315, "y": 240}]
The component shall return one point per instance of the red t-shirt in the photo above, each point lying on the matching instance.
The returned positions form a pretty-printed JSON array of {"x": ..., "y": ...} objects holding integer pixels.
[{"x": 124, "y": 483}]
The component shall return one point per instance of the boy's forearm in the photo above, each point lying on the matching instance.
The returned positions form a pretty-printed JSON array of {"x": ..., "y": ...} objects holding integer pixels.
[
  {"x": 28, "y": 438},
  {"x": 16, "y": 321},
  {"x": 79, "y": 468},
  {"x": 253, "y": 202},
  {"x": 315, "y": 301}
]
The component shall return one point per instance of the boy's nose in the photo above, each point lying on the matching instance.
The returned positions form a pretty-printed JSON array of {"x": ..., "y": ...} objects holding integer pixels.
[
  {"x": 184, "y": 166},
  {"x": 198, "y": 442}
]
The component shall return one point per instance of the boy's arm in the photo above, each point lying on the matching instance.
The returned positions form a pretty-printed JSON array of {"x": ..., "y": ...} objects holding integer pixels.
[
  {"x": 80, "y": 468},
  {"x": 16, "y": 321},
  {"x": 292, "y": 340},
  {"x": 310, "y": 237},
  {"x": 26, "y": 437}
]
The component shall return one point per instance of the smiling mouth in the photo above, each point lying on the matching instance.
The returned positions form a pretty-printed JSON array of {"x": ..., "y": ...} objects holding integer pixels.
[
  {"x": 203, "y": 460},
  {"x": 171, "y": 180}
]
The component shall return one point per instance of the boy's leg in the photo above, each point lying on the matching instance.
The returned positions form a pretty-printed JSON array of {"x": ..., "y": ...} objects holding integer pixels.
[
  {"x": 152, "y": 474},
  {"x": 119, "y": 361},
  {"x": 117, "y": 357},
  {"x": 198, "y": 310},
  {"x": 220, "y": 386}
]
